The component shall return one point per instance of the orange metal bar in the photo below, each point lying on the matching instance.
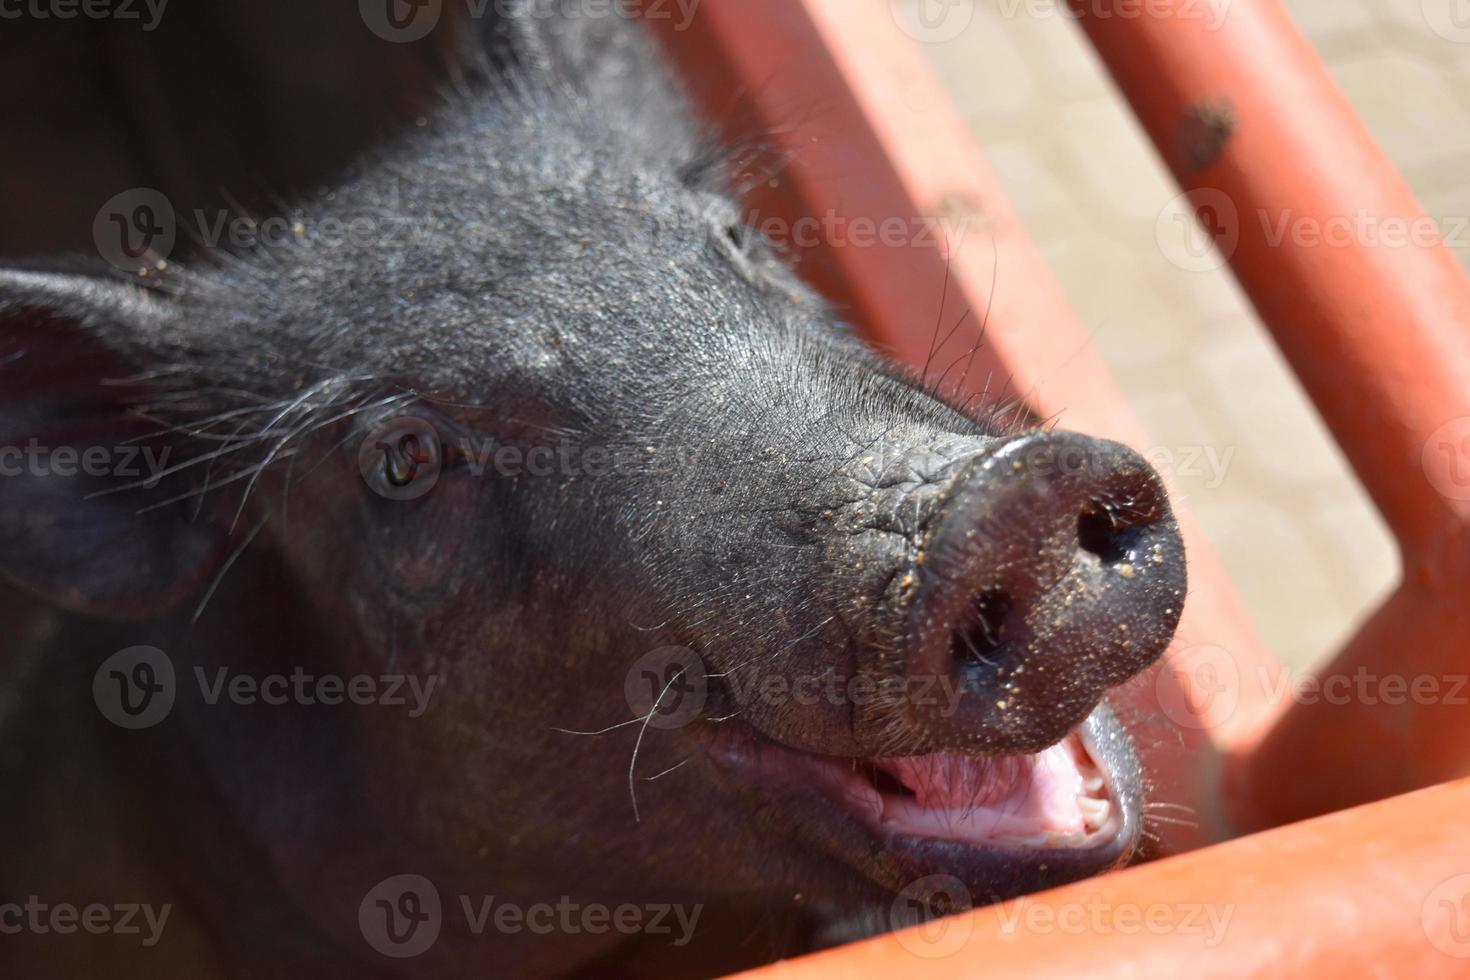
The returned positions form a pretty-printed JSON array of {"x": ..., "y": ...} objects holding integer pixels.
[
  {"x": 1380, "y": 891},
  {"x": 869, "y": 134},
  {"x": 1375, "y": 320}
]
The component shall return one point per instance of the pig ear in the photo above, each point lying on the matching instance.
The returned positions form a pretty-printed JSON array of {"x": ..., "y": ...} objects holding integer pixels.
[{"x": 83, "y": 520}]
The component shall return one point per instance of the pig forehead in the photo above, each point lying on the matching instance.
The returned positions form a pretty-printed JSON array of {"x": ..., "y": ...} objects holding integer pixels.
[
  {"x": 460, "y": 324},
  {"x": 516, "y": 275},
  {"x": 647, "y": 268}
]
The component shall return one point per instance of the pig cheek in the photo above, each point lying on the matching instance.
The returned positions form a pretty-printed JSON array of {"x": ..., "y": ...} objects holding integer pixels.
[
  {"x": 826, "y": 693},
  {"x": 806, "y": 696}
]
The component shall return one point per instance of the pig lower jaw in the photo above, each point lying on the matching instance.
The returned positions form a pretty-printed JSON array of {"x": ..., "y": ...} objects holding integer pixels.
[{"x": 1060, "y": 800}]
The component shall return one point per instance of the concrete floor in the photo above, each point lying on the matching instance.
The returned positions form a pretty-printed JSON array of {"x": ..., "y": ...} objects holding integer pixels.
[{"x": 1304, "y": 545}]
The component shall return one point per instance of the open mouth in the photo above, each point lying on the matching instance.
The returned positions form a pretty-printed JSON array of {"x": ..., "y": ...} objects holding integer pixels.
[
  {"x": 1054, "y": 798},
  {"x": 1061, "y": 799}
]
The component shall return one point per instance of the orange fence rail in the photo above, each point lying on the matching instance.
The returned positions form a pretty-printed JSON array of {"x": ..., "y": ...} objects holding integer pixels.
[
  {"x": 1271, "y": 905},
  {"x": 1253, "y": 127},
  {"x": 1377, "y": 330}
]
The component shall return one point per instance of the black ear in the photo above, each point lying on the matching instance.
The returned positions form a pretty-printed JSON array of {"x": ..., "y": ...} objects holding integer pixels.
[{"x": 85, "y": 481}]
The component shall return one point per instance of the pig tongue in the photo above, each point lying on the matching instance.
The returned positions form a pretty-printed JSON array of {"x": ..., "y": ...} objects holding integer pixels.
[{"x": 1032, "y": 799}]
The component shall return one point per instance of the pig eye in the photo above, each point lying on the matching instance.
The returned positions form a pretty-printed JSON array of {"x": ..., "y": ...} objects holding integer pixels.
[{"x": 402, "y": 458}]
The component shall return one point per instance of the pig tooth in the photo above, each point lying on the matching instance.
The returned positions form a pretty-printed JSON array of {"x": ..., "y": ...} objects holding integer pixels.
[
  {"x": 1095, "y": 813},
  {"x": 1093, "y": 782},
  {"x": 1075, "y": 838},
  {"x": 1035, "y": 840}
]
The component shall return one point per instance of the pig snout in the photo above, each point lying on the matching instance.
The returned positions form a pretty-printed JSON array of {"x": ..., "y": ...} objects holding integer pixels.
[
  {"x": 1049, "y": 570},
  {"x": 997, "y": 587}
]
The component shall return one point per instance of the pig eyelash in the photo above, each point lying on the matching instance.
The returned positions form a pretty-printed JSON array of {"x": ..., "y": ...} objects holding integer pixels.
[
  {"x": 300, "y": 413},
  {"x": 300, "y": 430},
  {"x": 275, "y": 429}
]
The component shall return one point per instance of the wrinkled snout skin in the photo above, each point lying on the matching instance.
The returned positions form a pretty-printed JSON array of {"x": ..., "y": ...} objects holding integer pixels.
[
  {"x": 997, "y": 586},
  {"x": 595, "y": 462}
]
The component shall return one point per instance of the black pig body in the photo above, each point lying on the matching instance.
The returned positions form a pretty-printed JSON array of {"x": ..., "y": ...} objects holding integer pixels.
[{"x": 670, "y": 594}]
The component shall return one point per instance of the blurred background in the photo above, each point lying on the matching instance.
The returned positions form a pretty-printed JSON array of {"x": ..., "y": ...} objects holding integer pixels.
[{"x": 1253, "y": 461}]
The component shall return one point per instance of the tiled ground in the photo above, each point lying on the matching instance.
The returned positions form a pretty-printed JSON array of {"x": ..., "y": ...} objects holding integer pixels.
[{"x": 1299, "y": 536}]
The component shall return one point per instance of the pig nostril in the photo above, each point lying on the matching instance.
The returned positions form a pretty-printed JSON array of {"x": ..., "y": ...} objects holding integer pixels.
[
  {"x": 981, "y": 635},
  {"x": 1101, "y": 533}
]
